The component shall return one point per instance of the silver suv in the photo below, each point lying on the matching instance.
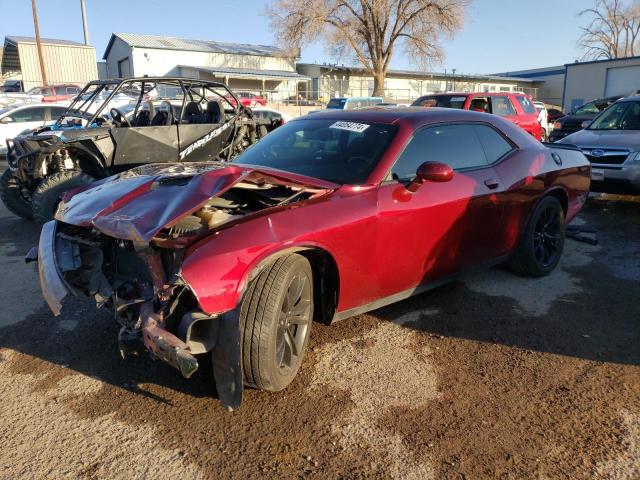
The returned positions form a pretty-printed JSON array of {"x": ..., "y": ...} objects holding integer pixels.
[{"x": 612, "y": 144}]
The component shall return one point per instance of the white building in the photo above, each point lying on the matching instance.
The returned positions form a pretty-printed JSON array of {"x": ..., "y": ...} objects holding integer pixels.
[
  {"x": 586, "y": 81},
  {"x": 404, "y": 86},
  {"x": 257, "y": 68},
  {"x": 64, "y": 61},
  {"x": 551, "y": 90}
]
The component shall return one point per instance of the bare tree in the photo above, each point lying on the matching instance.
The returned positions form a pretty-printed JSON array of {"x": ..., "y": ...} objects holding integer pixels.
[
  {"x": 613, "y": 30},
  {"x": 370, "y": 30}
]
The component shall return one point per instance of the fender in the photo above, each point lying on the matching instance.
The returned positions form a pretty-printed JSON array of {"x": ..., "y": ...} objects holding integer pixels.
[{"x": 220, "y": 290}]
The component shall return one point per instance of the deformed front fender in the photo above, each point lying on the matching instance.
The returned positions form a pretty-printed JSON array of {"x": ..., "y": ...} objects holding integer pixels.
[{"x": 219, "y": 270}]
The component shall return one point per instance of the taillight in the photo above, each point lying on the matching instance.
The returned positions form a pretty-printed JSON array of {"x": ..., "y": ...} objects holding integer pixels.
[
  {"x": 557, "y": 126},
  {"x": 585, "y": 124}
]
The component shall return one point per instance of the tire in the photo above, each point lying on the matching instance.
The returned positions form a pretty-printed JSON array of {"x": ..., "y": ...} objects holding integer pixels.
[
  {"x": 271, "y": 357},
  {"x": 542, "y": 242},
  {"x": 12, "y": 197},
  {"x": 48, "y": 193}
]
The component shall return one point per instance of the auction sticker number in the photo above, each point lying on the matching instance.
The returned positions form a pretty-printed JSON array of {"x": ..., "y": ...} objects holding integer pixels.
[{"x": 350, "y": 126}]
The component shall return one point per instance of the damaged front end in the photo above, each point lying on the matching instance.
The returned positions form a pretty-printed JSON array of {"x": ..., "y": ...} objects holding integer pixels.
[
  {"x": 155, "y": 309},
  {"x": 124, "y": 242}
]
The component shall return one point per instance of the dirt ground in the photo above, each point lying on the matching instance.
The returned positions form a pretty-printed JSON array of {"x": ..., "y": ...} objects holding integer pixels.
[{"x": 494, "y": 376}]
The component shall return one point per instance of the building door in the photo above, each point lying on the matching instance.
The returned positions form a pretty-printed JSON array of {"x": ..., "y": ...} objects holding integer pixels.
[
  {"x": 622, "y": 81},
  {"x": 124, "y": 69}
]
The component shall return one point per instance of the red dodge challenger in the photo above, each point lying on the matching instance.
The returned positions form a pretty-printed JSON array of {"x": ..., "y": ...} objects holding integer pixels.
[{"x": 327, "y": 217}]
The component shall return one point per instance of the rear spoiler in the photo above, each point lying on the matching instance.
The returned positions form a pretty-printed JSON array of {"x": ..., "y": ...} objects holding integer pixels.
[{"x": 561, "y": 146}]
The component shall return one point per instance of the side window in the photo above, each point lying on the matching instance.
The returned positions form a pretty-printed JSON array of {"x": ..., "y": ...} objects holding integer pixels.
[
  {"x": 29, "y": 115},
  {"x": 56, "y": 112},
  {"x": 61, "y": 90},
  {"x": 455, "y": 145},
  {"x": 495, "y": 145},
  {"x": 526, "y": 104},
  {"x": 502, "y": 106}
]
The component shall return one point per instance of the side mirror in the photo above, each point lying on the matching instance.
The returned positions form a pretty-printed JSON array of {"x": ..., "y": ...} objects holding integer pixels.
[
  {"x": 6, "y": 120},
  {"x": 431, "y": 172}
]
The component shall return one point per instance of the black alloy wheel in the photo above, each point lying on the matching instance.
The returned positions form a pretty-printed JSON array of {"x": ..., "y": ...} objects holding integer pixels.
[
  {"x": 547, "y": 237},
  {"x": 293, "y": 323}
]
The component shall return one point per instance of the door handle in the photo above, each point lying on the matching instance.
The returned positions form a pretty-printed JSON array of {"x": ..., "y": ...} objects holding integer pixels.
[{"x": 492, "y": 183}]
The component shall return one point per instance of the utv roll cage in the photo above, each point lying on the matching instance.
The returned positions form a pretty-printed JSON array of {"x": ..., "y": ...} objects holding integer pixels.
[{"x": 138, "y": 87}]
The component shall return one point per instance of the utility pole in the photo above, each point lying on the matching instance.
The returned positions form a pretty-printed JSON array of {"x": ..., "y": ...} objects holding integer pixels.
[
  {"x": 85, "y": 27},
  {"x": 454, "y": 79},
  {"x": 38, "y": 44}
]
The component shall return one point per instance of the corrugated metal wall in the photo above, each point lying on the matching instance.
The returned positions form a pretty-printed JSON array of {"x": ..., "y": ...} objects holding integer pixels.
[{"x": 63, "y": 64}]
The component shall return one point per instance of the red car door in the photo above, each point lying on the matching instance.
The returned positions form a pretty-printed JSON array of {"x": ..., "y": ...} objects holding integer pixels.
[{"x": 442, "y": 228}]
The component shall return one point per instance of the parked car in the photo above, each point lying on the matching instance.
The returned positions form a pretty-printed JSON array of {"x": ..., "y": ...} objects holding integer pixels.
[
  {"x": 350, "y": 103},
  {"x": 543, "y": 119},
  {"x": 329, "y": 216},
  {"x": 88, "y": 143},
  {"x": 575, "y": 120},
  {"x": 553, "y": 114},
  {"x": 270, "y": 114},
  {"x": 612, "y": 144},
  {"x": 12, "y": 86},
  {"x": 55, "y": 93},
  {"x": 248, "y": 99},
  {"x": 515, "y": 107},
  {"x": 15, "y": 120},
  {"x": 48, "y": 94}
]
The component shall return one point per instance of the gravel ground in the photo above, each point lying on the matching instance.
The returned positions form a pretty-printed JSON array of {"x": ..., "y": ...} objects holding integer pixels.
[{"x": 494, "y": 376}]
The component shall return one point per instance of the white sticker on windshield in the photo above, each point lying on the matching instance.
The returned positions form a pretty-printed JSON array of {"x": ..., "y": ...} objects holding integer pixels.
[
  {"x": 350, "y": 126},
  {"x": 458, "y": 99}
]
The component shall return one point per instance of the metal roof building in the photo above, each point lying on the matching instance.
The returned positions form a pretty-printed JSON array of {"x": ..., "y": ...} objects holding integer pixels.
[
  {"x": 242, "y": 66},
  {"x": 65, "y": 61},
  {"x": 404, "y": 86}
]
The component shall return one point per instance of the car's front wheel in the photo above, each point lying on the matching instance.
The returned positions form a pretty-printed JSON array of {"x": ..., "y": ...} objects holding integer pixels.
[
  {"x": 276, "y": 315},
  {"x": 47, "y": 195},
  {"x": 542, "y": 242}
]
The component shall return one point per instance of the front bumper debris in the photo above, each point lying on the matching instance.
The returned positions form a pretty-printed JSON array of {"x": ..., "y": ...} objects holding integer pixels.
[{"x": 54, "y": 288}]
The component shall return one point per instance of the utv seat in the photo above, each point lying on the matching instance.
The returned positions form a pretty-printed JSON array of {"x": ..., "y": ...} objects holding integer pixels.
[
  {"x": 164, "y": 116},
  {"x": 215, "y": 112},
  {"x": 192, "y": 113},
  {"x": 144, "y": 116}
]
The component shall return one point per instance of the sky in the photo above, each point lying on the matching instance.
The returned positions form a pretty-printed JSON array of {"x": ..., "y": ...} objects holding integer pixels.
[{"x": 494, "y": 38}]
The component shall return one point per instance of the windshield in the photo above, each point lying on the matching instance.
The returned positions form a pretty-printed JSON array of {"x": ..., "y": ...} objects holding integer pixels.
[
  {"x": 343, "y": 152},
  {"x": 619, "y": 116},
  {"x": 443, "y": 101},
  {"x": 591, "y": 108},
  {"x": 337, "y": 103}
]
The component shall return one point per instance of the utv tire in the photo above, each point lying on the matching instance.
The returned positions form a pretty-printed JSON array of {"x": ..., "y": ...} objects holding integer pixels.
[
  {"x": 48, "y": 193},
  {"x": 275, "y": 322},
  {"x": 542, "y": 242},
  {"x": 12, "y": 196}
]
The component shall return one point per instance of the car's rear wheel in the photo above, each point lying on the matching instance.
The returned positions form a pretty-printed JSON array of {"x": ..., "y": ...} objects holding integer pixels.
[
  {"x": 47, "y": 195},
  {"x": 542, "y": 242},
  {"x": 12, "y": 196},
  {"x": 276, "y": 315}
]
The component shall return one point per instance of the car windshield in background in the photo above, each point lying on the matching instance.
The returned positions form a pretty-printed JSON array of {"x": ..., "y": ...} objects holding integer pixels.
[
  {"x": 620, "y": 116},
  {"x": 443, "y": 101},
  {"x": 339, "y": 151},
  {"x": 336, "y": 103},
  {"x": 590, "y": 108}
]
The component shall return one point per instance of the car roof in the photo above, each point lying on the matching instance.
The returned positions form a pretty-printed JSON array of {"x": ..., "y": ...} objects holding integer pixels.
[
  {"x": 413, "y": 115},
  {"x": 474, "y": 94},
  {"x": 630, "y": 98}
]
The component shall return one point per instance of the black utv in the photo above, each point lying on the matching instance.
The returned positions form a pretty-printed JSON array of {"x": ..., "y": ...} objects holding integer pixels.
[{"x": 115, "y": 125}]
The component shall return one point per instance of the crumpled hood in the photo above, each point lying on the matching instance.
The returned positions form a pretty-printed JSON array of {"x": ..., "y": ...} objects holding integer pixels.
[
  {"x": 137, "y": 204},
  {"x": 605, "y": 138}
]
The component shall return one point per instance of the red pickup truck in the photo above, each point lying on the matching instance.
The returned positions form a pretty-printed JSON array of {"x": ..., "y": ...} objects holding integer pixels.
[{"x": 516, "y": 107}]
